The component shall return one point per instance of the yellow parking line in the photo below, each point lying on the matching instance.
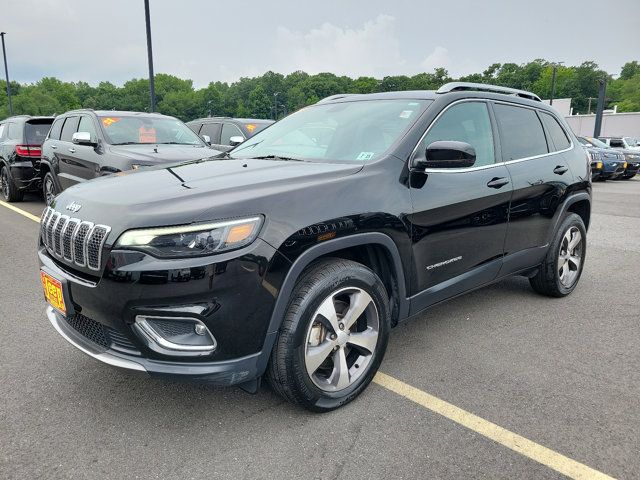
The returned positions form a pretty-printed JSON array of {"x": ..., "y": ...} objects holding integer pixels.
[
  {"x": 513, "y": 441},
  {"x": 20, "y": 211}
]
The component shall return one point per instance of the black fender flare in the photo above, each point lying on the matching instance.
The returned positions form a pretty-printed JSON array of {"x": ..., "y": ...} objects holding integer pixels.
[
  {"x": 570, "y": 200},
  {"x": 315, "y": 252},
  {"x": 54, "y": 173}
]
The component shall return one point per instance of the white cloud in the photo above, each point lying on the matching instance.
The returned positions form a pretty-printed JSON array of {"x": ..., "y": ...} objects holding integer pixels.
[
  {"x": 436, "y": 59},
  {"x": 372, "y": 49}
]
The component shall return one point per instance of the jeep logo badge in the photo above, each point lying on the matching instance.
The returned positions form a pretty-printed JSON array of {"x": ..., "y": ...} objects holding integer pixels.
[{"x": 74, "y": 207}]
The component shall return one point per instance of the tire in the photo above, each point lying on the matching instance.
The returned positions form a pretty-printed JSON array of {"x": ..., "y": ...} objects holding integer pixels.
[
  {"x": 49, "y": 190},
  {"x": 553, "y": 279},
  {"x": 340, "y": 289},
  {"x": 10, "y": 191}
]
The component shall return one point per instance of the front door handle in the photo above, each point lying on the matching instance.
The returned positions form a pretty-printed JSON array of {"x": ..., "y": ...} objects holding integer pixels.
[
  {"x": 72, "y": 150},
  {"x": 497, "y": 182},
  {"x": 560, "y": 169}
]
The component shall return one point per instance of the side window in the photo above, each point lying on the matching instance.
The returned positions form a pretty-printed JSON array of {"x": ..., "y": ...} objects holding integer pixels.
[
  {"x": 466, "y": 122},
  {"x": 1, "y": 130},
  {"x": 555, "y": 131},
  {"x": 86, "y": 125},
  {"x": 521, "y": 133},
  {"x": 229, "y": 130},
  {"x": 70, "y": 127},
  {"x": 616, "y": 143},
  {"x": 211, "y": 129},
  {"x": 56, "y": 129},
  {"x": 13, "y": 132}
]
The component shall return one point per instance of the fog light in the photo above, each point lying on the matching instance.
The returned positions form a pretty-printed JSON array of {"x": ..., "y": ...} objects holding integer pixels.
[{"x": 175, "y": 336}]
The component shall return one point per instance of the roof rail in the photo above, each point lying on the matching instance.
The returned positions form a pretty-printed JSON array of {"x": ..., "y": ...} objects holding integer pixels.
[
  {"x": 335, "y": 97},
  {"x": 483, "y": 87}
]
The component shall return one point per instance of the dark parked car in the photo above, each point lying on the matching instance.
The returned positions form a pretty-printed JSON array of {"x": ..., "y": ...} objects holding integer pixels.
[
  {"x": 615, "y": 164},
  {"x": 224, "y": 133},
  {"x": 622, "y": 143},
  {"x": 292, "y": 258},
  {"x": 85, "y": 144},
  {"x": 21, "y": 139}
]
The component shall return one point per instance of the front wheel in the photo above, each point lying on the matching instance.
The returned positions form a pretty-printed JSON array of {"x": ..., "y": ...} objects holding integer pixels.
[
  {"x": 562, "y": 267},
  {"x": 333, "y": 337}
]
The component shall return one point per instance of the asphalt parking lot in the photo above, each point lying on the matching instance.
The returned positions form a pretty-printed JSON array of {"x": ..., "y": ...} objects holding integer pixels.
[{"x": 564, "y": 374}]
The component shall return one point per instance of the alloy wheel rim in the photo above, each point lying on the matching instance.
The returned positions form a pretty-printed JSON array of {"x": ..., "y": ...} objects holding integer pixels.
[
  {"x": 341, "y": 339},
  {"x": 570, "y": 257},
  {"x": 5, "y": 184},
  {"x": 48, "y": 192}
]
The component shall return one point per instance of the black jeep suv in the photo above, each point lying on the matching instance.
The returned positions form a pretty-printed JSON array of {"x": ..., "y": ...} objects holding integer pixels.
[
  {"x": 85, "y": 144},
  {"x": 292, "y": 258},
  {"x": 21, "y": 139}
]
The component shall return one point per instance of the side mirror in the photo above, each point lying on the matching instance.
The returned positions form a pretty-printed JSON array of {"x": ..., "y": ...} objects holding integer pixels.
[
  {"x": 206, "y": 138},
  {"x": 236, "y": 140},
  {"x": 446, "y": 154},
  {"x": 82, "y": 138}
]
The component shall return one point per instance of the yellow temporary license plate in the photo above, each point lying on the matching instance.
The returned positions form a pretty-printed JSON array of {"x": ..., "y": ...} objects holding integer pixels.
[{"x": 53, "y": 292}]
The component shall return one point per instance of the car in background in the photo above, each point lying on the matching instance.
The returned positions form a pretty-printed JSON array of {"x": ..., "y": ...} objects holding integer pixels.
[
  {"x": 621, "y": 143},
  {"x": 21, "y": 140},
  {"x": 85, "y": 144},
  {"x": 614, "y": 164},
  {"x": 596, "y": 162},
  {"x": 224, "y": 133}
]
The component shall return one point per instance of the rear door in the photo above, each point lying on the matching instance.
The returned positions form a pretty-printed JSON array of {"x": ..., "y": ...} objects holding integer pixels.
[
  {"x": 459, "y": 221},
  {"x": 540, "y": 174}
]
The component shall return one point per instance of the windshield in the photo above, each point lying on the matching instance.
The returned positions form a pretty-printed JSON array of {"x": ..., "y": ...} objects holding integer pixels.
[
  {"x": 359, "y": 131},
  {"x": 35, "y": 131},
  {"x": 128, "y": 130},
  {"x": 597, "y": 143},
  {"x": 630, "y": 141}
]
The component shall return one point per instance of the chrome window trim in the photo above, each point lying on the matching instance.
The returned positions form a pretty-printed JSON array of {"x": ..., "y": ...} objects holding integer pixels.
[{"x": 496, "y": 164}]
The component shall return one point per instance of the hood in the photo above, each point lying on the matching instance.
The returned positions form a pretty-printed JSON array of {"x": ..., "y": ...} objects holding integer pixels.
[
  {"x": 194, "y": 191},
  {"x": 150, "y": 154}
]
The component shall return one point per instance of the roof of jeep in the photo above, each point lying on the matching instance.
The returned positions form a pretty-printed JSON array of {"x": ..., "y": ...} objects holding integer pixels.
[{"x": 116, "y": 113}]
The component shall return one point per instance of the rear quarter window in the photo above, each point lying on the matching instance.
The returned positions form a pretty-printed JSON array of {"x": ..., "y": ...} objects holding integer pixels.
[
  {"x": 56, "y": 129},
  {"x": 557, "y": 134}
]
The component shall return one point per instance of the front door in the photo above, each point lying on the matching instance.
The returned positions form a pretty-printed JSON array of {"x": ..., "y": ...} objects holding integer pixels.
[{"x": 460, "y": 215}]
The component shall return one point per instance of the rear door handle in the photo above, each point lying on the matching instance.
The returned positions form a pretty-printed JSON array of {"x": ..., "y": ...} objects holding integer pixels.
[
  {"x": 560, "y": 169},
  {"x": 72, "y": 150},
  {"x": 497, "y": 182},
  {"x": 54, "y": 147}
]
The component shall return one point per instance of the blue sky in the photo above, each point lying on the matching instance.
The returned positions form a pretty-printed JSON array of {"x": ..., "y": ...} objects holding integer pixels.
[{"x": 221, "y": 40}]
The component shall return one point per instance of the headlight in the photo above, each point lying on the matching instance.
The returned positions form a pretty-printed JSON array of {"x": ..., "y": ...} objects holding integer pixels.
[
  {"x": 193, "y": 240},
  {"x": 599, "y": 165},
  {"x": 624, "y": 164}
]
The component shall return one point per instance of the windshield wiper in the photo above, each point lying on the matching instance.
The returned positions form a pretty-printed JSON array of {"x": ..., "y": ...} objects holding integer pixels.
[
  {"x": 278, "y": 157},
  {"x": 176, "y": 143},
  {"x": 128, "y": 143}
]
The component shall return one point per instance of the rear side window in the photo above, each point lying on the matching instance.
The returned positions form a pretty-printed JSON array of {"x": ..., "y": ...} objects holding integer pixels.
[
  {"x": 521, "y": 133},
  {"x": 2, "y": 128},
  {"x": 211, "y": 129},
  {"x": 229, "y": 130},
  {"x": 70, "y": 127},
  {"x": 616, "y": 143},
  {"x": 56, "y": 128},
  {"x": 35, "y": 131},
  {"x": 13, "y": 131},
  {"x": 555, "y": 131},
  {"x": 466, "y": 122}
]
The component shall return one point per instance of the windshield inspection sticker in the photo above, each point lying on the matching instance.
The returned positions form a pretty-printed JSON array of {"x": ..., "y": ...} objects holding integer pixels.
[
  {"x": 365, "y": 156},
  {"x": 405, "y": 113}
]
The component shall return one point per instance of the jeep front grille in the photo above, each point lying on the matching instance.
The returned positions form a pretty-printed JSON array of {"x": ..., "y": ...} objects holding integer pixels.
[{"x": 72, "y": 239}]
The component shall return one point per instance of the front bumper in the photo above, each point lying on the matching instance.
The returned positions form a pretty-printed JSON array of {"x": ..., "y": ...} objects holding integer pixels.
[
  {"x": 232, "y": 294},
  {"x": 230, "y": 372}
]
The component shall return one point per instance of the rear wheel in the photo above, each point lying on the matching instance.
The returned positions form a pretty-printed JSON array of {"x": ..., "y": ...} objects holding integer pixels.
[
  {"x": 49, "y": 190},
  {"x": 10, "y": 191},
  {"x": 333, "y": 337},
  {"x": 559, "y": 273}
]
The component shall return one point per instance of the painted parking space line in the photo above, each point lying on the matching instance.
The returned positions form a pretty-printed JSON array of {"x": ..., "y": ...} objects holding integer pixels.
[
  {"x": 30, "y": 216},
  {"x": 513, "y": 441}
]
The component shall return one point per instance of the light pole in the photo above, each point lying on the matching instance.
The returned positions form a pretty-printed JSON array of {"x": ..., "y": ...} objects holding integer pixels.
[
  {"x": 6, "y": 74},
  {"x": 275, "y": 106},
  {"x": 600, "y": 107},
  {"x": 553, "y": 81},
  {"x": 152, "y": 89}
]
